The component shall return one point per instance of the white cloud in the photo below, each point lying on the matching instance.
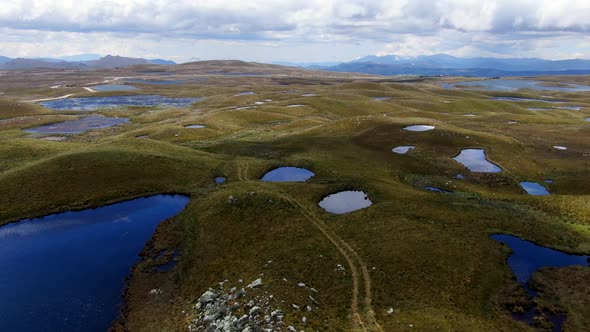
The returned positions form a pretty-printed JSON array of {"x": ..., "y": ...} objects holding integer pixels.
[{"x": 137, "y": 27}]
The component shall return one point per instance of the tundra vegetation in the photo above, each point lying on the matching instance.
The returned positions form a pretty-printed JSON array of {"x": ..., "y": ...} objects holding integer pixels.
[{"x": 415, "y": 260}]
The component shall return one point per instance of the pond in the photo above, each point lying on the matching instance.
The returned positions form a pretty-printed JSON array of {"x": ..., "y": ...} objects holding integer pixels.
[
  {"x": 57, "y": 272},
  {"x": 288, "y": 174},
  {"x": 220, "y": 179},
  {"x": 246, "y": 93},
  {"x": 419, "y": 128},
  {"x": 526, "y": 259},
  {"x": 381, "y": 98},
  {"x": 559, "y": 147},
  {"x": 113, "y": 87},
  {"x": 403, "y": 149},
  {"x": 345, "y": 202},
  {"x": 513, "y": 85},
  {"x": 295, "y": 105},
  {"x": 196, "y": 126},
  {"x": 438, "y": 190},
  {"x": 163, "y": 82},
  {"x": 78, "y": 126},
  {"x": 569, "y": 108},
  {"x": 475, "y": 160},
  {"x": 93, "y": 103},
  {"x": 309, "y": 95},
  {"x": 524, "y": 99},
  {"x": 535, "y": 189}
]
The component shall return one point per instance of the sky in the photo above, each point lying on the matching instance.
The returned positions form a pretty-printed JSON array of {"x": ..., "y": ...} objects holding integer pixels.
[{"x": 295, "y": 30}]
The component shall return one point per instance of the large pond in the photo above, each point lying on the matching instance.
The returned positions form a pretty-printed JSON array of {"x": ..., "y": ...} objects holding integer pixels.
[
  {"x": 78, "y": 126},
  {"x": 475, "y": 160},
  {"x": 513, "y": 85},
  {"x": 93, "y": 103},
  {"x": 66, "y": 271},
  {"x": 526, "y": 259},
  {"x": 114, "y": 87},
  {"x": 288, "y": 174},
  {"x": 345, "y": 202},
  {"x": 535, "y": 189}
]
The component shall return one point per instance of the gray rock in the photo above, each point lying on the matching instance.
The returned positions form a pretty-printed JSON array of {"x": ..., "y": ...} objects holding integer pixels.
[
  {"x": 254, "y": 311},
  {"x": 255, "y": 284},
  {"x": 291, "y": 328},
  {"x": 208, "y": 297}
]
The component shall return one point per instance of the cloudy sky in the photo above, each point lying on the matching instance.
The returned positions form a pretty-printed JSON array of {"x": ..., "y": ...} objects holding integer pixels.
[{"x": 295, "y": 30}]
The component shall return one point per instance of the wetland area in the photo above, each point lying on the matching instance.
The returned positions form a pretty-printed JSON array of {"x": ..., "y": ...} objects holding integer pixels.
[{"x": 442, "y": 204}]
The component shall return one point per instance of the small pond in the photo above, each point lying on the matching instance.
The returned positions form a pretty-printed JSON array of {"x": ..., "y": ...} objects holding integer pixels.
[
  {"x": 345, "y": 202},
  {"x": 309, "y": 95},
  {"x": 220, "y": 180},
  {"x": 163, "y": 82},
  {"x": 559, "y": 147},
  {"x": 67, "y": 271},
  {"x": 526, "y": 259},
  {"x": 438, "y": 190},
  {"x": 535, "y": 189},
  {"x": 113, "y": 87},
  {"x": 513, "y": 85},
  {"x": 196, "y": 126},
  {"x": 524, "y": 99},
  {"x": 419, "y": 128},
  {"x": 381, "y": 98},
  {"x": 288, "y": 174},
  {"x": 569, "y": 108},
  {"x": 93, "y": 103},
  {"x": 403, "y": 149},
  {"x": 295, "y": 105},
  {"x": 246, "y": 93},
  {"x": 78, "y": 126},
  {"x": 475, "y": 160}
]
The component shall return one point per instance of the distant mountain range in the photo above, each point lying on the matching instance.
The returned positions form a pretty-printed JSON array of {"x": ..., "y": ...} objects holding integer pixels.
[
  {"x": 108, "y": 61},
  {"x": 442, "y": 64}
]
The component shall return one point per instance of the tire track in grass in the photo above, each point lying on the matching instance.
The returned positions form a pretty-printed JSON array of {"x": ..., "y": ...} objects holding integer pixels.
[{"x": 359, "y": 322}]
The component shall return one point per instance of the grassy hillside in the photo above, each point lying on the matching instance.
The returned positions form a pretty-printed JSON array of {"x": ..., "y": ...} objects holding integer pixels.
[{"x": 414, "y": 261}]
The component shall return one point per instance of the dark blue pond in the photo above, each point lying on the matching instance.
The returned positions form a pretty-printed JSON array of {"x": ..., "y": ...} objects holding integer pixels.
[
  {"x": 93, "y": 103},
  {"x": 526, "y": 259},
  {"x": 66, "y": 272},
  {"x": 220, "y": 180},
  {"x": 78, "y": 126},
  {"x": 288, "y": 174}
]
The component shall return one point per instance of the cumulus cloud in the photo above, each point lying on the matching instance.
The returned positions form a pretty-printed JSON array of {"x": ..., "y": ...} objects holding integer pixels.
[{"x": 405, "y": 26}]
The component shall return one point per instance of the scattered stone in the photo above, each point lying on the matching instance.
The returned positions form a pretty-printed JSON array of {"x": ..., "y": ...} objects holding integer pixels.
[
  {"x": 295, "y": 306},
  {"x": 255, "y": 284},
  {"x": 291, "y": 328},
  {"x": 309, "y": 308},
  {"x": 304, "y": 320},
  {"x": 390, "y": 311},
  {"x": 301, "y": 284},
  {"x": 254, "y": 311},
  {"x": 155, "y": 291},
  {"x": 207, "y": 297},
  {"x": 314, "y": 290}
]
